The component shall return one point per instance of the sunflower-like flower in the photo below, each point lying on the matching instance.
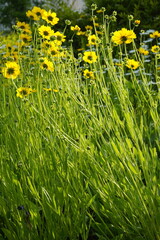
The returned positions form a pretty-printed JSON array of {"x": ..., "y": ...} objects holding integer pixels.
[
  {"x": 75, "y": 28},
  {"x": 53, "y": 51},
  {"x": 90, "y": 57},
  {"x": 50, "y": 17},
  {"x": 155, "y": 34},
  {"x": 143, "y": 51},
  {"x": 38, "y": 11},
  {"x": 50, "y": 90},
  {"x": 25, "y": 38},
  {"x": 22, "y": 25},
  {"x": 92, "y": 39},
  {"x": 60, "y": 37},
  {"x": 23, "y": 92},
  {"x": 88, "y": 27},
  {"x": 32, "y": 15},
  {"x": 80, "y": 33},
  {"x": 11, "y": 70},
  {"x": 123, "y": 36},
  {"x": 137, "y": 22},
  {"x": 47, "y": 65},
  {"x": 132, "y": 64},
  {"x": 88, "y": 74},
  {"x": 155, "y": 49},
  {"x": 46, "y": 32}
]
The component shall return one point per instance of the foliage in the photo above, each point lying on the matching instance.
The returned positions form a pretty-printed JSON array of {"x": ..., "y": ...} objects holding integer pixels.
[
  {"x": 79, "y": 133},
  {"x": 147, "y": 11}
]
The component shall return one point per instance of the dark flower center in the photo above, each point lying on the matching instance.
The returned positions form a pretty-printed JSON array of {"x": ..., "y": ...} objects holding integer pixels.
[
  {"x": 22, "y": 27},
  {"x": 59, "y": 38},
  {"x": 23, "y": 92},
  {"x": 25, "y": 40},
  {"x": 46, "y": 33},
  {"x": 50, "y": 18},
  {"x": 45, "y": 65},
  {"x": 38, "y": 14},
  {"x": 10, "y": 70},
  {"x": 123, "y": 38},
  {"x": 53, "y": 52},
  {"x": 90, "y": 57}
]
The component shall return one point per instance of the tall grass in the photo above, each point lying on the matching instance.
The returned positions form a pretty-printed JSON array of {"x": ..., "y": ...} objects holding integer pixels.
[{"x": 81, "y": 162}]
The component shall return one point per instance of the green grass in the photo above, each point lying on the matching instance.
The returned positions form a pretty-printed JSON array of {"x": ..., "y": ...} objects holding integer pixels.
[{"x": 81, "y": 163}]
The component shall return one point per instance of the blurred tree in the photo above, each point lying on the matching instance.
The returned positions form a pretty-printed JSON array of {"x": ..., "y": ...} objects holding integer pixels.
[
  {"x": 10, "y": 10},
  {"x": 148, "y": 11}
]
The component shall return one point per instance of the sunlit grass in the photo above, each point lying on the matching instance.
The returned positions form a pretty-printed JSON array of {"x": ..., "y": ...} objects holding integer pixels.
[{"x": 80, "y": 149}]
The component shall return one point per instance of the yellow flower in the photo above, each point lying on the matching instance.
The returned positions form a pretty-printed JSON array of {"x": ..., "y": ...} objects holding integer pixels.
[
  {"x": 92, "y": 39},
  {"x": 23, "y": 92},
  {"x": 50, "y": 89},
  {"x": 137, "y": 22},
  {"x": 80, "y": 49},
  {"x": 27, "y": 31},
  {"x": 11, "y": 70},
  {"x": 155, "y": 49},
  {"x": 88, "y": 74},
  {"x": 80, "y": 33},
  {"x": 90, "y": 57},
  {"x": 96, "y": 24},
  {"x": 32, "y": 15},
  {"x": 47, "y": 65},
  {"x": 132, "y": 64},
  {"x": 25, "y": 38},
  {"x": 53, "y": 51},
  {"x": 46, "y": 32},
  {"x": 38, "y": 11},
  {"x": 75, "y": 28},
  {"x": 100, "y": 11},
  {"x": 88, "y": 27},
  {"x": 50, "y": 17},
  {"x": 123, "y": 36},
  {"x": 143, "y": 51},
  {"x": 155, "y": 34},
  {"x": 60, "y": 37},
  {"x": 22, "y": 25}
]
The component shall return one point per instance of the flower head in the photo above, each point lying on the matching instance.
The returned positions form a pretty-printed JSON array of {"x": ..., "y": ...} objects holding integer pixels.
[
  {"x": 46, "y": 32},
  {"x": 143, "y": 51},
  {"x": 155, "y": 49},
  {"x": 155, "y": 34},
  {"x": 90, "y": 57},
  {"x": 32, "y": 15},
  {"x": 88, "y": 27},
  {"x": 25, "y": 38},
  {"x": 137, "y": 22},
  {"x": 132, "y": 64},
  {"x": 53, "y": 51},
  {"x": 50, "y": 17},
  {"x": 38, "y": 11},
  {"x": 60, "y": 37},
  {"x": 23, "y": 26},
  {"x": 47, "y": 65},
  {"x": 92, "y": 39},
  {"x": 123, "y": 36},
  {"x": 88, "y": 74},
  {"x": 11, "y": 70},
  {"x": 75, "y": 28},
  {"x": 23, "y": 92}
]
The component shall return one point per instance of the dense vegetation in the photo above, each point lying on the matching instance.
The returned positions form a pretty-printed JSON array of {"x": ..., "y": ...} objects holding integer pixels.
[{"x": 79, "y": 129}]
